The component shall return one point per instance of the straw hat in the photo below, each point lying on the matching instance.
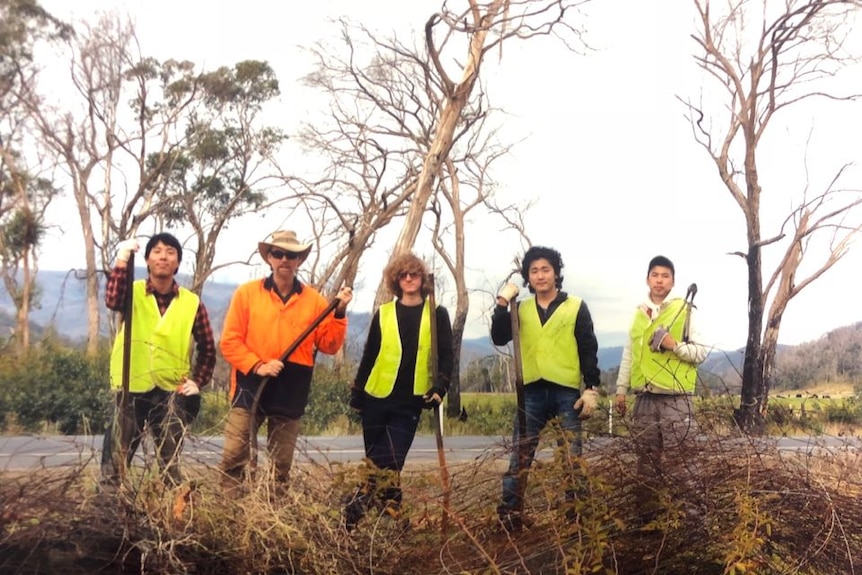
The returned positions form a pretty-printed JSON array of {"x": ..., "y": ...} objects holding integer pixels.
[{"x": 283, "y": 240}]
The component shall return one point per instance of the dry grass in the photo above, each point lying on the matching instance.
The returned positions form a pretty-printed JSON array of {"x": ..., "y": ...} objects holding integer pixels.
[{"x": 728, "y": 505}]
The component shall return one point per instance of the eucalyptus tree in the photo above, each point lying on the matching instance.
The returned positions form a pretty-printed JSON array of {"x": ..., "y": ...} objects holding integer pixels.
[
  {"x": 225, "y": 168},
  {"x": 404, "y": 143},
  {"x": 767, "y": 58},
  {"x": 24, "y": 193}
]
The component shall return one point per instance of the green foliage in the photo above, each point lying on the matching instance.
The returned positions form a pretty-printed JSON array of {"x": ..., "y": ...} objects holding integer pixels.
[
  {"x": 847, "y": 412},
  {"x": 487, "y": 414},
  {"x": 328, "y": 410},
  {"x": 213, "y": 413},
  {"x": 55, "y": 389}
]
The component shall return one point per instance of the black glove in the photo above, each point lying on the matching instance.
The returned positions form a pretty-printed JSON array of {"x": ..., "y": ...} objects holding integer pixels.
[
  {"x": 357, "y": 398},
  {"x": 436, "y": 390}
]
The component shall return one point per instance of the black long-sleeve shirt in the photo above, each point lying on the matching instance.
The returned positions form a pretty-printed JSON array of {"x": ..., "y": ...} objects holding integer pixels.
[
  {"x": 585, "y": 335},
  {"x": 409, "y": 318}
]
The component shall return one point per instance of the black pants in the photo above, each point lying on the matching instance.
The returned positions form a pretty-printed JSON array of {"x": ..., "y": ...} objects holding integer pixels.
[
  {"x": 167, "y": 415},
  {"x": 388, "y": 429}
]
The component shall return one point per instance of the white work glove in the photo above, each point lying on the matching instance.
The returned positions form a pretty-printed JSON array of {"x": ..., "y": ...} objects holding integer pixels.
[
  {"x": 588, "y": 403},
  {"x": 189, "y": 387},
  {"x": 657, "y": 337},
  {"x": 125, "y": 249},
  {"x": 507, "y": 292}
]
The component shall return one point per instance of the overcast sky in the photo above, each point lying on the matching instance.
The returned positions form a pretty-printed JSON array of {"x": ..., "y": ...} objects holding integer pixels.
[{"x": 608, "y": 155}]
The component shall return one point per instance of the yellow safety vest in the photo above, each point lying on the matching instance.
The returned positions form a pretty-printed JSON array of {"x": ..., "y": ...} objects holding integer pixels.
[
  {"x": 550, "y": 351},
  {"x": 663, "y": 370},
  {"x": 161, "y": 344},
  {"x": 381, "y": 381}
]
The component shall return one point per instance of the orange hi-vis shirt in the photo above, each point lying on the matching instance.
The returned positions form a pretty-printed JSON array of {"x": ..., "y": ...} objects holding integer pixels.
[{"x": 258, "y": 326}]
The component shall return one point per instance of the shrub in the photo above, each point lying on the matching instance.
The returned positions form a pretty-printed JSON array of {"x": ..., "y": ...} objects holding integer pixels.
[
  {"x": 847, "y": 412},
  {"x": 53, "y": 388},
  {"x": 328, "y": 402}
]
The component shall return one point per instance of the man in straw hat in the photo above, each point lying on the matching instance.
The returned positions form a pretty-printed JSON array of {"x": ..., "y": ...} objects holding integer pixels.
[{"x": 265, "y": 318}]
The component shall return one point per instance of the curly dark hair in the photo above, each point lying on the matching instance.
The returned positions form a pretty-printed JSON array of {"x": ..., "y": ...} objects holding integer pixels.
[
  {"x": 537, "y": 253},
  {"x": 407, "y": 262}
]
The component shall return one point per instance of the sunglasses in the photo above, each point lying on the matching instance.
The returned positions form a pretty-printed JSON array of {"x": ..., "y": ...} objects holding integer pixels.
[
  {"x": 280, "y": 255},
  {"x": 405, "y": 275}
]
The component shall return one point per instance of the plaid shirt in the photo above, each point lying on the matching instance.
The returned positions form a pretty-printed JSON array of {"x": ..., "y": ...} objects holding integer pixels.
[{"x": 205, "y": 358}]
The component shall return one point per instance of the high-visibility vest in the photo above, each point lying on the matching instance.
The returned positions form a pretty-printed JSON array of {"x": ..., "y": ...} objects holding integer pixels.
[
  {"x": 161, "y": 344},
  {"x": 381, "y": 381},
  {"x": 550, "y": 351},
  {"x": 663, "y": 370}
]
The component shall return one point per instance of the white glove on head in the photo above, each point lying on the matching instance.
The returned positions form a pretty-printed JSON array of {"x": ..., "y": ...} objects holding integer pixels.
[
  {"x": 657, "y": 337},
  {"x": 189, "y": 387},
  {"x": 588, "y": 403},
  {"x": 509, "y": 291},
  {"x": 125, "y": 249}
]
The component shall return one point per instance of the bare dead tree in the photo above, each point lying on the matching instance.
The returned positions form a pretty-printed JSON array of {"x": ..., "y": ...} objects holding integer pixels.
[
  {"x": 86, "y": 139},
  {"x": 380, "y": 121},
  {"x": 116, "y": 141},
  {"x": 384, "y": 102},
  {"x": 767, "y": 57},
  {"x": 466, "y": 186},
  {"x": 485, "y": 26},
  {"x": 24, "y": 194}
]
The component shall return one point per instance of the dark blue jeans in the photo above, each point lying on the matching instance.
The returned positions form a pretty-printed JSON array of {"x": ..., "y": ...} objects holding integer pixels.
[{"x": 543, "y": 401}]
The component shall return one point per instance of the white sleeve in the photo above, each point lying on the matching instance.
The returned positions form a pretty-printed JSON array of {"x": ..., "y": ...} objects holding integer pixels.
[
  {"x": 625, "y": 374},
  {"x": 692, "y": 351}
]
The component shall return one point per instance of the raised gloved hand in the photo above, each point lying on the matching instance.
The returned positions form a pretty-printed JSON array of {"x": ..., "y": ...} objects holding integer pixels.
[
  {"x": 435, "y": 395},
  {"x": 657, "y": 337},
  {"x": 507, "y": 292},
  {"x": 125, "y": 249},
  {"x": 357, "y": 398},
  {"x": 587, "y": 403},
  {"x": 189, "y": 387}
]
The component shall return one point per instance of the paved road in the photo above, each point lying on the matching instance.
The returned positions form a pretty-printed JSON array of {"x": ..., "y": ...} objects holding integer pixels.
[
  {"x": 29, "y": 452},
  {"x": 33, "y": 452}
]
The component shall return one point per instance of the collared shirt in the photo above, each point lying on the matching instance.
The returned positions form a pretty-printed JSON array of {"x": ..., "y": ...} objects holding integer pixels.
[{"x": 205, "y": 358}]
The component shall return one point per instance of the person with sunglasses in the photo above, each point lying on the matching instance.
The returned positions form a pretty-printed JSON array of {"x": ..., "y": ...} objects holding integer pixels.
[
  {"x": 266, "y": 317},
  {"x": 394, "y": 383}
]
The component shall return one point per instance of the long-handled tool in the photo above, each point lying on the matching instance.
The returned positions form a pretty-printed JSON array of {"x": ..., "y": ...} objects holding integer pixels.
[
  {"x": 252, "y": 427},
  {"x": 686, "y": 325},
  {"x": 433, "y": 375},
  {"x": 125, "y": 426},
  {"x": 687, "y": 303},
  {"x": 522, "y": 411}
]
